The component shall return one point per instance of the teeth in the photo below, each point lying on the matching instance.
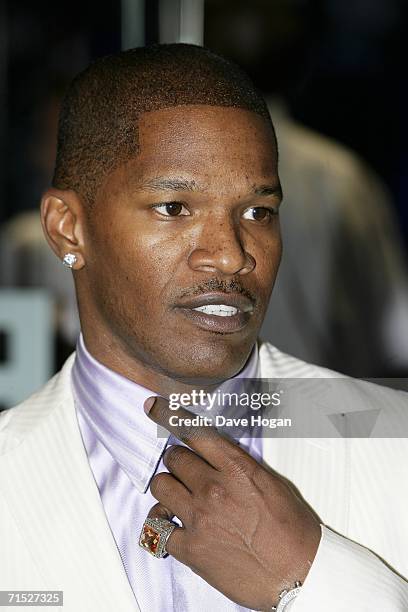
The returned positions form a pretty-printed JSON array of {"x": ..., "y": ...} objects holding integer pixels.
[{"x": 220, "y": 310}]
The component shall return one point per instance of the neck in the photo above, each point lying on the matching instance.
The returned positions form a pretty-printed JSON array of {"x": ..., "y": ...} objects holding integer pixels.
[{"x": 110, "y": 352}]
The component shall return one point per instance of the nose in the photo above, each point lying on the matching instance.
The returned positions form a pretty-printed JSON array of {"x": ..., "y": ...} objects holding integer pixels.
[{"x": 220, "y": 250}]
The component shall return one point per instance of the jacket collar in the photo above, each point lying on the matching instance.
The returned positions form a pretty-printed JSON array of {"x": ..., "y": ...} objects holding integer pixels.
[{"x": 53, "y": 498}]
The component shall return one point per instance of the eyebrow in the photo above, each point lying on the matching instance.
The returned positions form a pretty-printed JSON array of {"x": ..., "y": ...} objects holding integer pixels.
[
  {"x": 269, "y": 190},
  {"x": 162, "y": 183}
]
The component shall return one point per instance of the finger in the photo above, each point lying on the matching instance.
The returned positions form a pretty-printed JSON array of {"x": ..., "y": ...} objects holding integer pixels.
[
  {"x": 172, "y": 495},
  {"x": 176, "y": 541},
  {"x": 160, "y": 511},
  {"x": 205, "y": 440},
  {"x": 188, "y": 467}
]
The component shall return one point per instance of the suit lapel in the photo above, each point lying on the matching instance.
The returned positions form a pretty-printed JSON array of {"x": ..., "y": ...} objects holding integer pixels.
[
  {"x": 55, "y": 503},
  {"x": 318, "y": 467}
]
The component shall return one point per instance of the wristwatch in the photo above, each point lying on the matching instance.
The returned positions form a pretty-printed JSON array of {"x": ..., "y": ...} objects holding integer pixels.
[{"x": 287, "y": 596}]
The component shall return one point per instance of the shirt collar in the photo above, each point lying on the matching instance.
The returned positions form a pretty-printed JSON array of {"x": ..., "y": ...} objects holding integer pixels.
[{"x": 112, "y": 407}]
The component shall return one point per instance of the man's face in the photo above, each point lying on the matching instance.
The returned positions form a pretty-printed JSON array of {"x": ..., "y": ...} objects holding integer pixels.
[{"x": 190, "y": 223}]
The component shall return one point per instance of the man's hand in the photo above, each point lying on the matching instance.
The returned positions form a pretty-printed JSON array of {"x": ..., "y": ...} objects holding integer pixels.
[{"x": 245, "y": 530}]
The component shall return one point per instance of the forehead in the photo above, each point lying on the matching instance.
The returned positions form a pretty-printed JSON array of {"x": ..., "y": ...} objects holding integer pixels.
[{"x": 209, "y": 142}]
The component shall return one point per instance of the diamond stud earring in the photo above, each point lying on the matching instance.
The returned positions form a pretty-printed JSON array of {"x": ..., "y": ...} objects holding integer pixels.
[{"x": 69, "y": 260}]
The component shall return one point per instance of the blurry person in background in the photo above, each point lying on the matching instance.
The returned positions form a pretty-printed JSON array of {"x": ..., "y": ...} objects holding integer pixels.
[
  {"x": 25, "y": 259},
  {"x": 34, "y": 82},
  {"x": 165, "y": 207},
  {"x": 344, "y": 302}
]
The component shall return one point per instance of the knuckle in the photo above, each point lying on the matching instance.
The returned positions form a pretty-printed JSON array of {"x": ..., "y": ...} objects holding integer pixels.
[
  {"x": 189, "y": 434},
  {"x": 195, "y": 434},
  {"x": 174, "y": 455},
  {"x": 281, "y": 488},
  {"x": 200, "y": 520},
  {"x": 241, "y": 465},
  {"x": 158, "y": 484},
  {"x": 215, "y": 491}
]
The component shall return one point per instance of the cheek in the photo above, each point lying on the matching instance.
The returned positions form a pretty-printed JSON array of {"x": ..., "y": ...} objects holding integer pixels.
[
  {"x": 268, "y": 256},
  {"x": 135, "y": 267}
]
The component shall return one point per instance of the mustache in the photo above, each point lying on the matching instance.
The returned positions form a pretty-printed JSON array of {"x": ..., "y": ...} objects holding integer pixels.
[{"x": 216, "y": 284}]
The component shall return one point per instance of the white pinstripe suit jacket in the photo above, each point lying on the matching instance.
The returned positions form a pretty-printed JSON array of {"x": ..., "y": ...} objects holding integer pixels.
[{"x": 54, "y": 534}]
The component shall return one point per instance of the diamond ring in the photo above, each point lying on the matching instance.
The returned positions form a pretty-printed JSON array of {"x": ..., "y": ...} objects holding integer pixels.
[{"x": 154, "y": 535}]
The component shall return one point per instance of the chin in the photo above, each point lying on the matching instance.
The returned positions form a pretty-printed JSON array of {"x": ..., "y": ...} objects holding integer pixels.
[{"x": 207, "y": 364}]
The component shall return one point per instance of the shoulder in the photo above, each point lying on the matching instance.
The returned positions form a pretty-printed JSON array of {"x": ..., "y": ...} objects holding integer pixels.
[
  {"x": 19, "y": 421},
  {"x": 276, "y": 364},
  {"x": 337, "y": 393}
]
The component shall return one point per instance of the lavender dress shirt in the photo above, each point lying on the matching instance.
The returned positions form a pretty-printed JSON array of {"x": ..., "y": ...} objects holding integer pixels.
[{"x": 124, "y": 453}]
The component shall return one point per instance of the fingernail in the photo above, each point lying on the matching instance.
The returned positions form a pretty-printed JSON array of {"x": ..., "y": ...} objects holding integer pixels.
[{"x": 148, "y": 404}]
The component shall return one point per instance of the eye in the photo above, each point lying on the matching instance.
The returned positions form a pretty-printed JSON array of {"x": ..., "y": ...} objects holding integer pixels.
[
  {"x": 260, "y": 214},
  {"x": 171, "y": 209}
]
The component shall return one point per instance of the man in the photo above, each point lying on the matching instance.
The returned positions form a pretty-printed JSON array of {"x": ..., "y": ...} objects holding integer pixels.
[{"x": 164, "y": 204}]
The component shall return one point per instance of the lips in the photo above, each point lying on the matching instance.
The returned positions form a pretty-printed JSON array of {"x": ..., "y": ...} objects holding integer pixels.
[{"x": 217, "y": 312}]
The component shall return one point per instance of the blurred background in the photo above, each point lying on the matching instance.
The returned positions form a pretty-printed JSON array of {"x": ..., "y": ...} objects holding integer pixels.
[{"x": 333, "y": 74}]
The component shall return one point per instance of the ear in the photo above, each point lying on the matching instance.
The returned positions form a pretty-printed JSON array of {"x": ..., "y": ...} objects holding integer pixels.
[{"x": 62, "y": 219}]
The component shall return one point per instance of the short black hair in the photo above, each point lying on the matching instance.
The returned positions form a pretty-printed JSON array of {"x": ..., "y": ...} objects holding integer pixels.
[{"x": 98, "y": 126}]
